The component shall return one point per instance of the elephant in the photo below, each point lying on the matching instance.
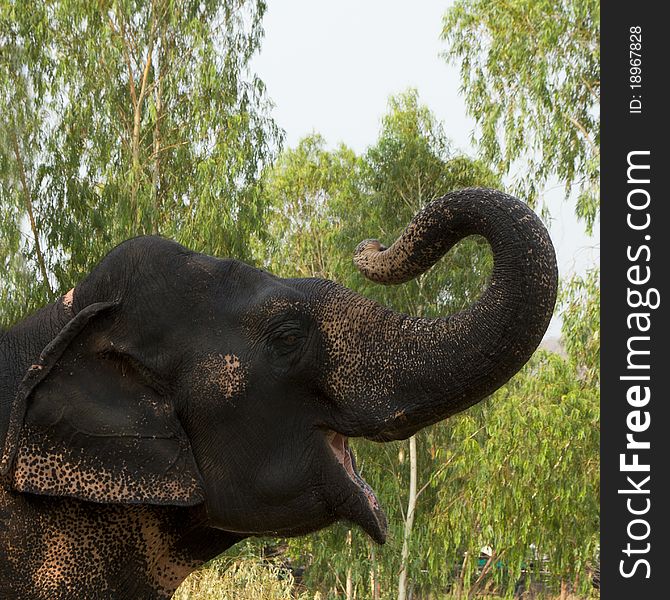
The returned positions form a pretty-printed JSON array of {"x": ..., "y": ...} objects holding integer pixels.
[{"x": 174, "y": 403}]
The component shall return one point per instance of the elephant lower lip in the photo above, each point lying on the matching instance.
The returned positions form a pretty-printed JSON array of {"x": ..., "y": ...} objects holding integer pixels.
[{"x": 374, "y": 522}]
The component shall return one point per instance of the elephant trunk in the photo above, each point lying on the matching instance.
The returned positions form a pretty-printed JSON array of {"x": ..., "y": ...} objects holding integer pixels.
[{"x": 392, "y": 374}]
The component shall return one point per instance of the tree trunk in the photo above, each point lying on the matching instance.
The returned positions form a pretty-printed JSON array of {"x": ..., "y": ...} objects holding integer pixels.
[
  {"x": 374, "y": 584},
  {"x": 461, "y": 577},
  {"x": 137, "y": 122},
  {"x": 157, "y": 187},
  {"x": 350, "y": 583},
  {"x": 409, "y": 521},
  {"x": 27, "y": 194}
]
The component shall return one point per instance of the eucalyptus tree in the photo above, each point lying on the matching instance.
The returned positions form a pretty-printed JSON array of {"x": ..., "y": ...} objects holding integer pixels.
[
  {"x": 312, "y": 193},
  {"x": 530, "y": 73},
  {"x": 580, "y": 301},
  {"x": 524, "y": 482},
  {"x": 121, "y": 119}
]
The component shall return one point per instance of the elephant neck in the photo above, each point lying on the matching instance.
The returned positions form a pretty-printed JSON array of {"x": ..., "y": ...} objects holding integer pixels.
[
  {"x": 174, "y": 542},
  {"x": 20, "y": 347},
  {"x": 148, "y": 550}
]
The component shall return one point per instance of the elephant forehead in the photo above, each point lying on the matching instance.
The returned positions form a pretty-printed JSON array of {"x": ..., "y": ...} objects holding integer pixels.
[
  {"x": 270, "y": 308},
  {"x": 224, "y": 372}
]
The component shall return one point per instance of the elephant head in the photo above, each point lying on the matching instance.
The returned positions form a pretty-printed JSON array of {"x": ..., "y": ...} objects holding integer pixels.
[{"x": 182, "y": 379}]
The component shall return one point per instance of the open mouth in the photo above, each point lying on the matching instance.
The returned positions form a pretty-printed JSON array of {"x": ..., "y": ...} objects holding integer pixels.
[{"x": 371, "y": 517}]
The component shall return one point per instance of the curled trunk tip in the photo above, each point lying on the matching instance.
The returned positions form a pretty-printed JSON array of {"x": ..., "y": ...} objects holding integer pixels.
[{"x": 366, "y": 259}]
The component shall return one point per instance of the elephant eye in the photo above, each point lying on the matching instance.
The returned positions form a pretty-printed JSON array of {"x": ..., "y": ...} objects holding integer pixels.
[{"x": 286, "y": 338}]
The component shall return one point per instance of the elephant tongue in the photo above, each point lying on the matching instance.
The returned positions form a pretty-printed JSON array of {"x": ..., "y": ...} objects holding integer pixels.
[{"x": 372, "y": 520}]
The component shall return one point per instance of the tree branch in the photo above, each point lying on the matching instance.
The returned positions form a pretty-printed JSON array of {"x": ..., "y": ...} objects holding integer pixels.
[
  {"x": 137, "y": 118},
  {"x": 126, "y": 54},
  {"x": 29, "y": 208},
  {"x": 587, "y": 137}
]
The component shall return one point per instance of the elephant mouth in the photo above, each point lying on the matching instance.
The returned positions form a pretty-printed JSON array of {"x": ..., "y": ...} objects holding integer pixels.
[{"x": 363, "y": 507}]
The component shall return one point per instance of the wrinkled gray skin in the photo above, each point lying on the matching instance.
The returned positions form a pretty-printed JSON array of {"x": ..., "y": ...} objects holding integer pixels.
[{"x": 174, "y": 403}]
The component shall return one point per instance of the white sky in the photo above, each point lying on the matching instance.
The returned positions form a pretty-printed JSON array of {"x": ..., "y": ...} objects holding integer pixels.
[{"x": 330, "y": 68}]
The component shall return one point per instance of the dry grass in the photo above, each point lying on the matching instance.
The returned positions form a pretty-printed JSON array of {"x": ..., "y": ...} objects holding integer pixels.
[
  {"x": 251, "y": 579},
  {"x": 243, "y": 579}
]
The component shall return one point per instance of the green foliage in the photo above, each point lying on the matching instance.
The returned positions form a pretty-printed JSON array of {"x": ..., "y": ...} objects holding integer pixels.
[
  {"x": 531, "y": 76},
  {"x": 306, "y": 188},
  {"x": 323, "y": 202},
  {"x": 580, "y": 301},
  {"x": 535, "y": 446},
  {"x": 121, "y": 119}
]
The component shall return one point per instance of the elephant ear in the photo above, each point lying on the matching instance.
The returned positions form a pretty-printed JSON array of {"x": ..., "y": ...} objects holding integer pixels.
[{"x": 92, "y": 423}]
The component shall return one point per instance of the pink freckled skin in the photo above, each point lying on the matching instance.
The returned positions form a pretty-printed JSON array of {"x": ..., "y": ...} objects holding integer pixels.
[
  {"x": 226, "y": 373},
  {"x": 68, "y": 299}
]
